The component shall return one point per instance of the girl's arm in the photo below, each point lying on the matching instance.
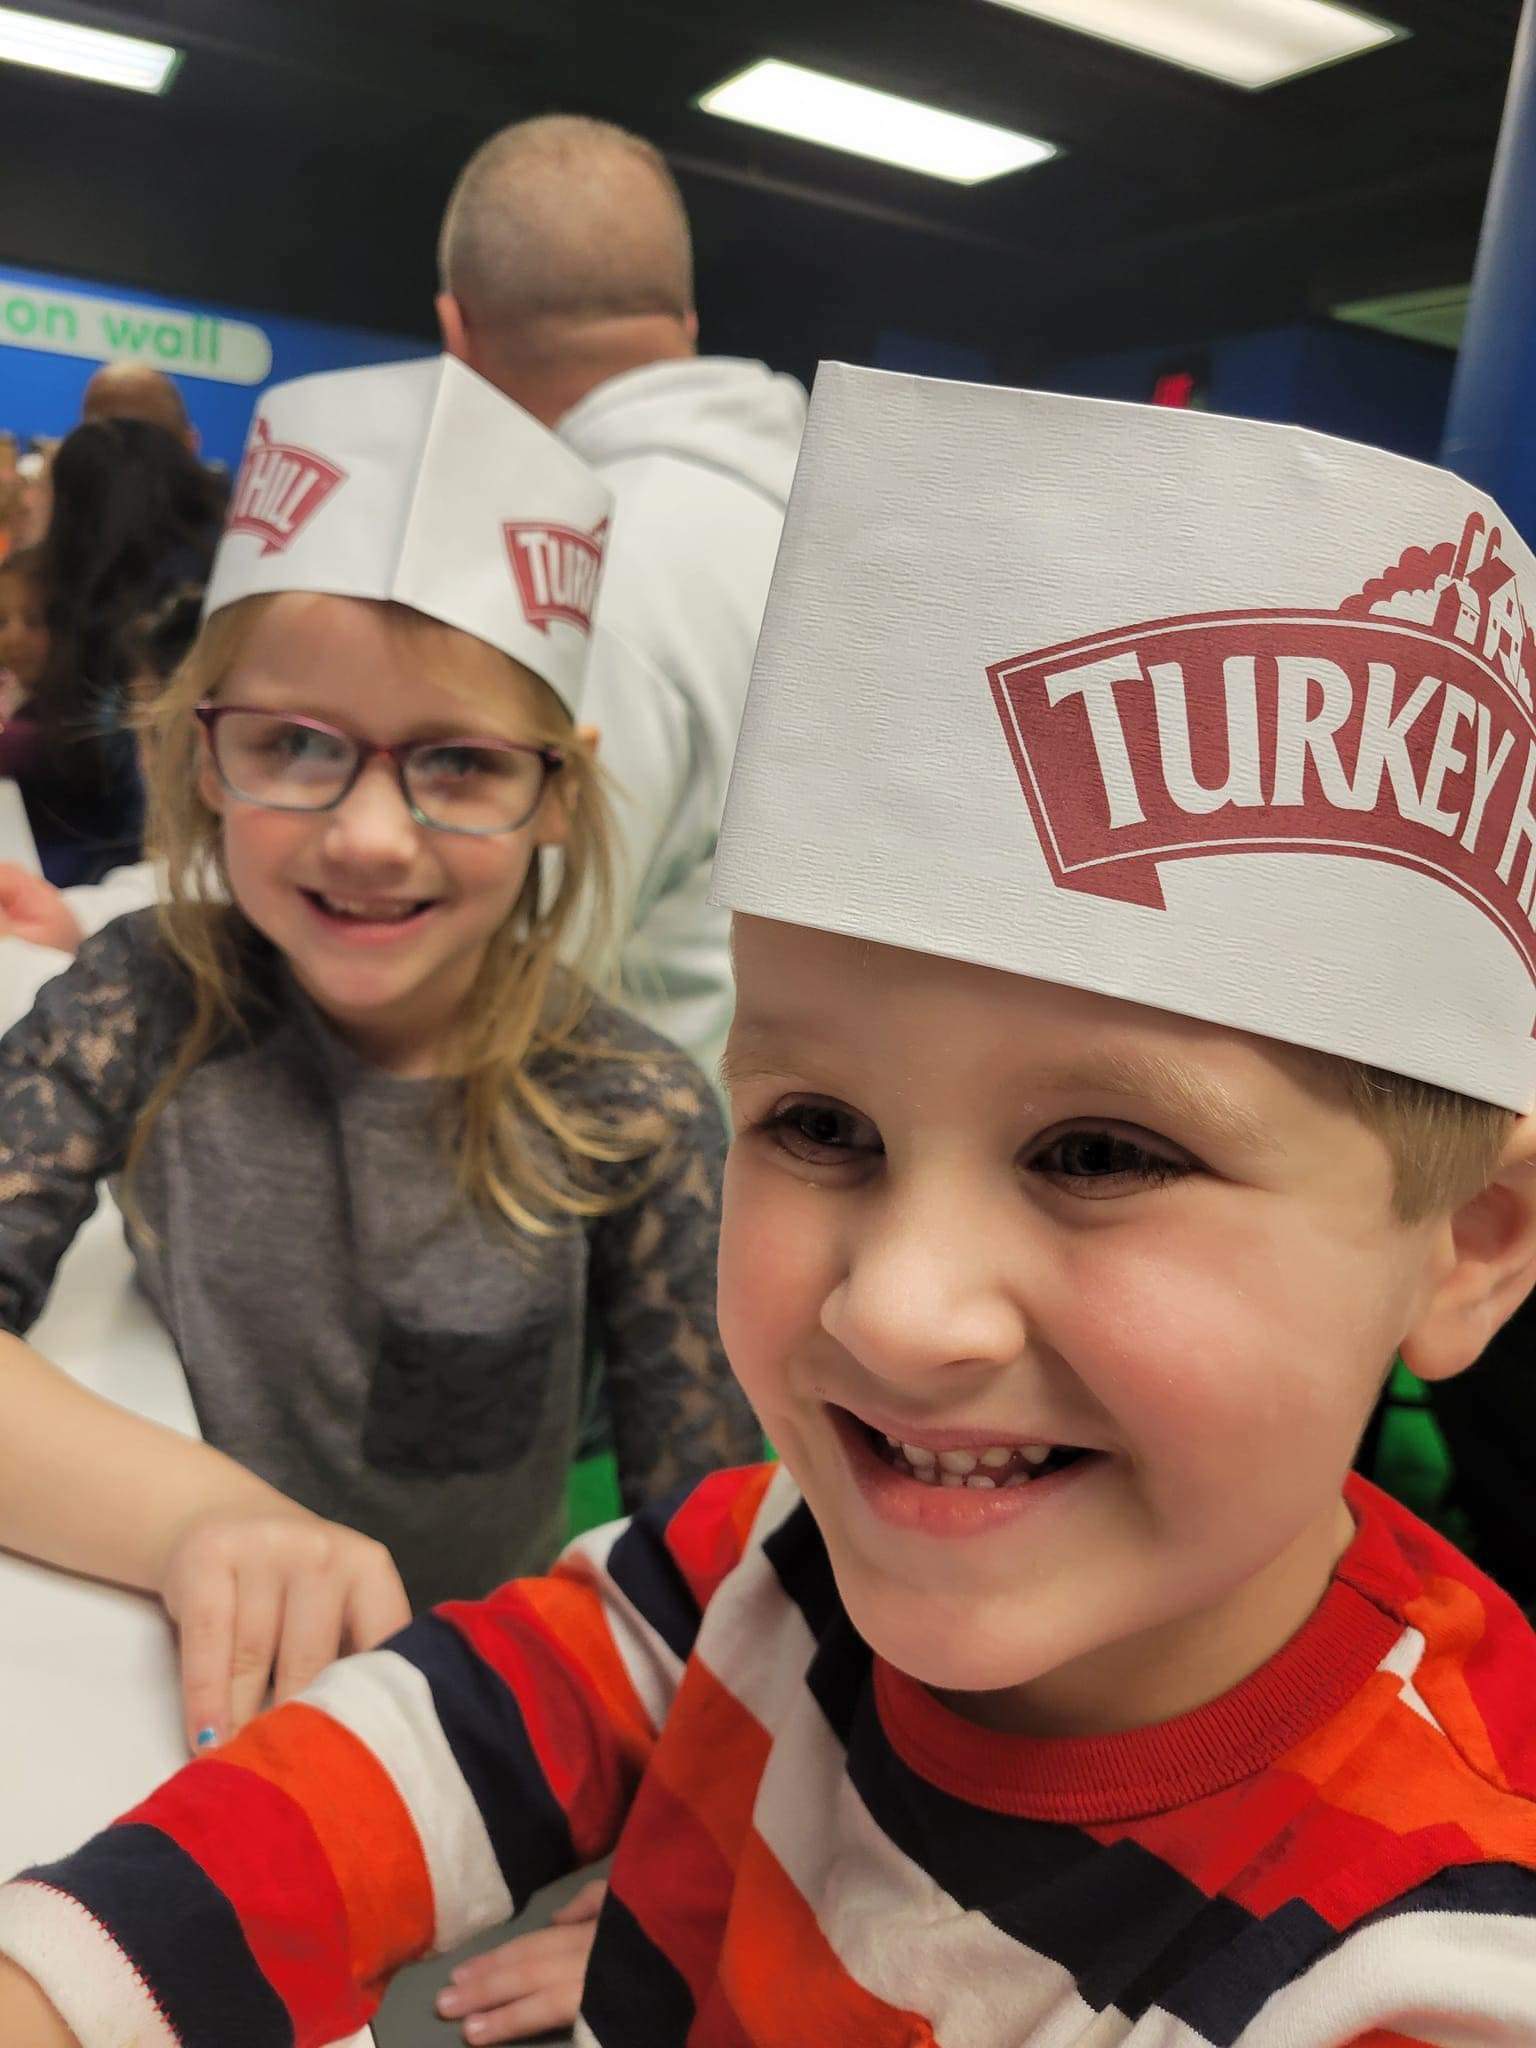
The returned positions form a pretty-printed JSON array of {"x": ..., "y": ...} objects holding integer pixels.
[
  {"x": 262, "y": 1592},
  {"x": 91, "y": 1488},
  {"x": 677, "y": 1412},
  {"x": 258, "y": 1586}
]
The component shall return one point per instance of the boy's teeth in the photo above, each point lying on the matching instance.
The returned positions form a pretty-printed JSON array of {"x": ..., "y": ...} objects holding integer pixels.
[{"x": 987, "y": 1469}]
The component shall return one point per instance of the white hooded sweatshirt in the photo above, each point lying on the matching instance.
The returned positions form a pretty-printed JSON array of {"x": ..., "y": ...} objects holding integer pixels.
[{"x": 699, "y": 454}]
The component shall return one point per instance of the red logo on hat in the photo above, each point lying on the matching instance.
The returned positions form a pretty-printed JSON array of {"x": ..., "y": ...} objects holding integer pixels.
[
  {"x": 279, "y": 489},
  {"x": 1398, "y": 728},
  {"x": 556, "y": 570}
]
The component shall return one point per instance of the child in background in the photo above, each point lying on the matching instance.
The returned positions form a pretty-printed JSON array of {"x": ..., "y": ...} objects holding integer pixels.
[
  {"x": 1131, "y": 1044},
  {"x": 387, "y": 1164},
  {"x": 23, "y": 640}
]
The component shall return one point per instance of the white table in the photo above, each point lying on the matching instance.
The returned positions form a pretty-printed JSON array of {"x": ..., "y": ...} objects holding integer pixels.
[
  {"x": 89, "y": 1709},
  {"x": 16, "y": 841}
]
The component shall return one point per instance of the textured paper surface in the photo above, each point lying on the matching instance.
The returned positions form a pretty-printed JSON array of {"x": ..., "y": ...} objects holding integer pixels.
[
  {"x": 420, "y": 482},
  {"x": 1230, "y": 719}
]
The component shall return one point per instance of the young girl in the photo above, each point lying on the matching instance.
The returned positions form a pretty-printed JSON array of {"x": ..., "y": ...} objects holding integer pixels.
[{"x": 390, "y": 1169}]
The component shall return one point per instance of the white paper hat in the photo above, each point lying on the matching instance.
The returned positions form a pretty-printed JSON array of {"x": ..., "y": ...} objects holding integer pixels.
[
  {"x": 420, "y": 482},
  {"x": 1230, "y": 719}
]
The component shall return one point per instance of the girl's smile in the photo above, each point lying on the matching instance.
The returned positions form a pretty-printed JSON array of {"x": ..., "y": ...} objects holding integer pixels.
[{"x": 385, "y": 922}]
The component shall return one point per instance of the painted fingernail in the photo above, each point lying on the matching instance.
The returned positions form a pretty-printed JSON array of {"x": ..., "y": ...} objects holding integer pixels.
[{"x": 205, "y": 1736}]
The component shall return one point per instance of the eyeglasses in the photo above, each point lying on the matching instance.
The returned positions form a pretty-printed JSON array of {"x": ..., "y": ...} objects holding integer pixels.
[{"x": 475, "y": 785}]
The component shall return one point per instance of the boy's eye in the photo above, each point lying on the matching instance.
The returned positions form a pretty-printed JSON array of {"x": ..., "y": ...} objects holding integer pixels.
[
  {"x": 822, "y": 1132},
  {"x": 1098, "y": 1160}
]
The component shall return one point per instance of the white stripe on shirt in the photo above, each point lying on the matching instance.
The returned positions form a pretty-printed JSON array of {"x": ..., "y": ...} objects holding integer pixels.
[{"x": 387, "y": 1704}]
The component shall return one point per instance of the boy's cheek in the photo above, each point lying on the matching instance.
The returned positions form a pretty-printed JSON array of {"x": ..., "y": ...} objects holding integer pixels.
[{"x": 773, "y": 1272}]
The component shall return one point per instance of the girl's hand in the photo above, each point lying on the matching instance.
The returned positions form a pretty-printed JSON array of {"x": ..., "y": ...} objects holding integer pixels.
[
  {"x": 532, "y": 1984},
  {"x": 267, "y": 1597},
  {"x": 33, "y": 909}
]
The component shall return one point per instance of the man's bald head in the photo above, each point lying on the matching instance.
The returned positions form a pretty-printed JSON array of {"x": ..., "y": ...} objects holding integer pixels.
[
  {"x": 565, "y": 238},
  {"x": 133, "y": 391}
]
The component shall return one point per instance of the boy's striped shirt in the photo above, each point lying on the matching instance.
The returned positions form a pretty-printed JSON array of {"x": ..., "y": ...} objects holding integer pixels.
[{"x": 810, "y": 1849}]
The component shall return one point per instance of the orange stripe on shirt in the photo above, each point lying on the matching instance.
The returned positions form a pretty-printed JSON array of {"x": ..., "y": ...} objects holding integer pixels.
[
  {"x": 709, "y": 1532},
  {"x": 569, "y": 1607},
  {"x": 785, "y": 1981},
  {"x": 1453, "y": 1621},
  {"x": 590, "y": 1763},
  {"x": 362, "y": 1825},
  {"x": 1411, "y": 1781},
  {"x": 676, "y": 1885},
  {"x": 714, "y": 1768}
]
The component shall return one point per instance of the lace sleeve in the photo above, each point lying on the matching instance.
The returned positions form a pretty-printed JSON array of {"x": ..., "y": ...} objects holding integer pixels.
[
  {"x": 677, "y": 1411},
  {"x": 70, "y": 1090}
]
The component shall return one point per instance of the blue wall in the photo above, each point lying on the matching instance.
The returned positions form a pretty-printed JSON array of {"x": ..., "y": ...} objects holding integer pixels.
[
  {"x": 40, "y": 393},
  {"x": 1341, "y": 380}
]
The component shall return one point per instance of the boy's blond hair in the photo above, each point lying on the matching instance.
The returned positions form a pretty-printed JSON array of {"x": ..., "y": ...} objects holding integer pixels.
[
  {"x": 1445, "y": 1148},
  {"x": 518, "y": 1150}
]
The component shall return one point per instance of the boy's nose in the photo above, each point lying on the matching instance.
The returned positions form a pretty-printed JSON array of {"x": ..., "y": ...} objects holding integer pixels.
[
  {"x": 927, "y": 1287},
  {"x": 371, "y": 824}
]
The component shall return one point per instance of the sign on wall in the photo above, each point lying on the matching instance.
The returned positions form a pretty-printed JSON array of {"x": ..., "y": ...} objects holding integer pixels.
[{"x": 120, "y": 330}]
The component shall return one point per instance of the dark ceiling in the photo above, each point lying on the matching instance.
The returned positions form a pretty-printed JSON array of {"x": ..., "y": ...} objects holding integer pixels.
[{"x": 301, "y": 160}]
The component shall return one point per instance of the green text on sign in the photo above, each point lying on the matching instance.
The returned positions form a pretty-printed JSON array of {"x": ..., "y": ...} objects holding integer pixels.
[{"x": 116, "y": 330}]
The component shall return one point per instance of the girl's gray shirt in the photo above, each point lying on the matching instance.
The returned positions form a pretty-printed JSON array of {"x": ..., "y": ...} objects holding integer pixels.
[{"x": 353, "y": 1329}]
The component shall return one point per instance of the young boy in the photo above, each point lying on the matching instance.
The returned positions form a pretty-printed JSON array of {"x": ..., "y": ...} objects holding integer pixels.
[{"x": 1131, "y": 839}]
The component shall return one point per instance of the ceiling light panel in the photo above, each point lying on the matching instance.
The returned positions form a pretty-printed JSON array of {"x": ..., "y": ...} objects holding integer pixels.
[
  {"x": 1250, "y": 43},
  {"x": 815, "y": 108},
  {"x": 77, "y": 52}
]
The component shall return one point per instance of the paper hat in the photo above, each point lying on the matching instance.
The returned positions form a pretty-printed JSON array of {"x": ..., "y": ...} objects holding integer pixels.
[
  {"x": 1234, "y": 720},
  {"x": 420, "y": 482}
]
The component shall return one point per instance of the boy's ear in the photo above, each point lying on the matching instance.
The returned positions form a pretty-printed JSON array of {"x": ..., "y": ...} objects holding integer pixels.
[{"x": 1489, "y": 1265}]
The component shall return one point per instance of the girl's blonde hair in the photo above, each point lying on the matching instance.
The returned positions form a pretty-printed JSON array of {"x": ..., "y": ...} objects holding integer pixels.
[{"x": 519, "y": 1151}]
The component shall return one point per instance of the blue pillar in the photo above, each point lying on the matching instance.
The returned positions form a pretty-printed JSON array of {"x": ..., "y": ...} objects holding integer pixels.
[{"x": 1490, "y": 429}]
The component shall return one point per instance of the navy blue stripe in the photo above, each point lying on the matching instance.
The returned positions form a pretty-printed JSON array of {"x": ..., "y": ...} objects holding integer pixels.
[
  {"x": 646, "y": 1573},
  {"x": 634, "y": 1996},
  {"x": 180, "y": 1933},
  {"x": 486, "y": 1732},
  {"x": 1487, "y": 1888},
  {"x": 1220, "y": 1994},
  {"x": 1131, "y": 1931},
  {"x": 838, "y": 1674},
  {"x": 799, "y": 1558},
  {"x": 1128, "y": 1928}
]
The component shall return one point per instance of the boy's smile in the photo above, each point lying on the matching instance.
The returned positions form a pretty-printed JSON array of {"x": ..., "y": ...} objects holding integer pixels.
[{"x": 1066, "y": 1314}]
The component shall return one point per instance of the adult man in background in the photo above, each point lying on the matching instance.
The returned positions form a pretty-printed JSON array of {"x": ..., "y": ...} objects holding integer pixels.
[
  {"x": 134, "y": 391},
  {"x": 566, "y": 270},
  {"x": 567, "y": 281}
]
